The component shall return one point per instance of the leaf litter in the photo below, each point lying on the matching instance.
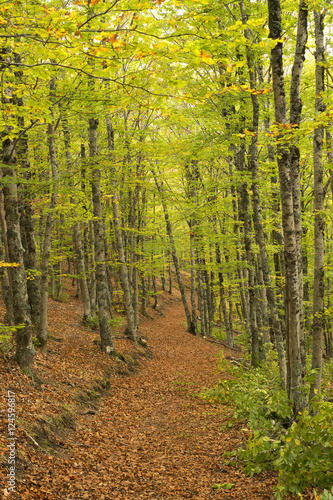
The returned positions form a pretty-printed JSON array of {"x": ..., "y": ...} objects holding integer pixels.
[{"x": 133, "y": 427}]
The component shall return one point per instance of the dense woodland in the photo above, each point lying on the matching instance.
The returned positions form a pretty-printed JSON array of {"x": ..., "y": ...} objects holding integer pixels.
[{"x": 141, "y": 139}]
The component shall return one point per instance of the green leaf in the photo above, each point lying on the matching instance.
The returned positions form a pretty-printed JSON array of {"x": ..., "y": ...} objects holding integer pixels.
[{"x": 224, "y": 486}]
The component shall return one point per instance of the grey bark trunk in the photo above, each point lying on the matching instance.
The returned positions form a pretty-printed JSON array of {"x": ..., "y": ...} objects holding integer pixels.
[
  {"x": 142, "y": 240},
  {"x": 131, "y": 328},
  {"x": 24, "y": 346},
  {"x": 43, "y": 331},
  {"x": 193, "y": 283},
  {"x": 27, "y": 225},
  {"x": 6, "y": 287},
  {"x": 287, "y": 160},
  {"x": 80, "y": 264},
  {"x": 257, "y": 218},
  {"x": 227, "y": 326},
  {"x": 242, "y": 292},
  {"x": 319, "y": 222},
  {"x": 91, "y": 282},
  {"x": 101, "y": 291},
  {"x": 81, "y": 271}
]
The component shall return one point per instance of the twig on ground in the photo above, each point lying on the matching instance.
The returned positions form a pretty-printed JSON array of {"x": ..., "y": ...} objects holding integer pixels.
[{"x": 216, "y": 341}]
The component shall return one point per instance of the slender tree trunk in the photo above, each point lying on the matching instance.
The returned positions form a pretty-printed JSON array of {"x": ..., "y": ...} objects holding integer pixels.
[
  {"x": 108, "y": 272},
  {"x": 80, "y": 264},
  {"x": 295, "y": 118},
  {"x": 169, "y": 273},
  {"x": 201, "y": 300},
  {"x": 288, "y": 160},
  {"x": 163, "y": 279},
  {"x": 131, "y": 328},
  {"x": 242, "y": 292},
  {"x": 245, "y": 218},
  {"x": 192, "y": 175},
  {"x": 208, "y": 297},
  {"x": 228, "y": 329},
  {"x": 257, "y": 218},
  {"x": 142, "y": 225},
  {"x": 101, "y": 290},
  {"x": 174, "y": 255},
  {"x": 81, "y": 271},
  {"x": 135, "y": 257},
  {"x": 43, "y": 331},
  {"x": 328, "y": 325},
  {"x": 319, "y": 222},
  {"x": 91, "y": 282},
  {"x": 24, "y": 346},
  {"x": 6, "y": 287},
  {"x": 193, "y": 287},
  {"x": 27, "y": 225}
]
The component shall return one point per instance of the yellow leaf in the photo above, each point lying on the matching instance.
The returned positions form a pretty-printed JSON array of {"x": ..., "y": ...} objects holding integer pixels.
[
  {"x": 117, "y": 44},
  {"x": 8, "y": 264},
  {"x": 288, "y": 439},
  {"x": 206, "y": 57},
  {"x": 297, "y": 441}
]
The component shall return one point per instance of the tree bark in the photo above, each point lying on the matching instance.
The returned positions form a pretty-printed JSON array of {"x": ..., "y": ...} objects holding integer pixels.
[
  {"x": 131, "y": 328},
  {"x": 25, "y": 351},
  {"x": 43, "y": 331},
  {"x": 174, "y": 255},
  {"x": 227, "y": 326},
  {"x": 101, "y": 290},
  {"x": 27, "y": 225},
  {"x": 193, "y": 283},
  {"x": 257, "y": 218},
  {"x": 288, "y": 161},
  {"x": 80, "y": 264},
  {"x": 319, "y": 222},
  {"x": 6, "y": 287}
]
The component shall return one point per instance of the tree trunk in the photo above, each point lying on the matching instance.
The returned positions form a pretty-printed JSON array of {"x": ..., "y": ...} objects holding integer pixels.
[
  {"x": 24, "y": 347},
  {"x": 227, "y": 326},
  {"x": 174, "y": 255},
  {"x": 131, "y": 328},
  {"x": 27, "y": 225},
  {"x": 257, "y": 218},
  {"x": 89, "y": 236},
  {"x": 101, "y": 290},
  {"x": 81, "y": 271},
  {"x": 43, "y": 331},
  {"x": 319, "y": 222},
  {"x": 80, "y": 264},
  {"x": 6, "y": 287},
  {"x": 289, "y": 190},
  {"x": 193, "y": 287}
]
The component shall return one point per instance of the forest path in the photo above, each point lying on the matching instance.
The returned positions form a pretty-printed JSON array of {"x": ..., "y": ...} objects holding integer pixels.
[
  {"x": 149, "y": 436},
  {"x": 153, "y": 436}
]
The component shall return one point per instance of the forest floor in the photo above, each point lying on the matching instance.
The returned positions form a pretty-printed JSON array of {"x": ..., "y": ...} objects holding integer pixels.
[{"x": 99, "y": 428}]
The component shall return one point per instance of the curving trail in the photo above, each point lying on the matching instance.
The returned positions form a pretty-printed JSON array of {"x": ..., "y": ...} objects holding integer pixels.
[
  {"x": 148, "y": 437},
  {"x": 153, "y": 437}
]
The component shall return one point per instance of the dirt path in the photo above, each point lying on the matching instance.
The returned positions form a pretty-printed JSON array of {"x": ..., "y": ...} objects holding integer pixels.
[{"x": 148, "y": 436}]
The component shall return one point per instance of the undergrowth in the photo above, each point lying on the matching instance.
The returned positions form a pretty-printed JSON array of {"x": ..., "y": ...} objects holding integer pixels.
[{"x": 301, "y": 452}]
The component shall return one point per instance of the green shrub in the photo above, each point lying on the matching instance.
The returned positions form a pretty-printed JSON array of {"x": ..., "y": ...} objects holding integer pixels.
[
  {"x": 326, "y": 495},
  {"x": 301, "y": 452},
  {"x": 306, "y": 455}
]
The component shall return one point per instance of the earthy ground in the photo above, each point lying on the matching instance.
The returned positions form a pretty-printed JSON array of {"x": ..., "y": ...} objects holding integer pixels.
[{"x": 92, "y": 427}]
